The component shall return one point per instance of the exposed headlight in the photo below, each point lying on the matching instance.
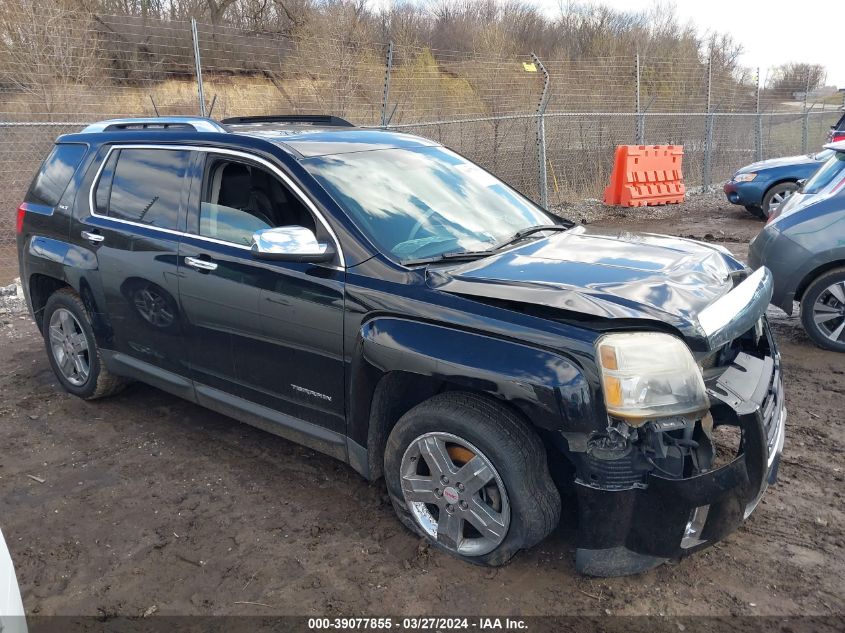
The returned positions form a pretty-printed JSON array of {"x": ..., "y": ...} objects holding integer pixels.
[
  {"x": 647, "y": 375},
  {"x": 745, "y": 177}
]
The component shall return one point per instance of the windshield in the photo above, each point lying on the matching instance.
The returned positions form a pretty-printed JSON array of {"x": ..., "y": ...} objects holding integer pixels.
[
  {"x": 424, "y": 202},
  {"x": 825, "y": 175}
]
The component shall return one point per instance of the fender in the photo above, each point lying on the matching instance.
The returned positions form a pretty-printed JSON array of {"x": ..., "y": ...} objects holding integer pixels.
[
  {"x": 549, "y": 389},
  {"x": 70, "y": 264},
  {"x": 812, "y": 265},
  {"x": 817, "y": 264},
  {"x": 48, "y": 256}
]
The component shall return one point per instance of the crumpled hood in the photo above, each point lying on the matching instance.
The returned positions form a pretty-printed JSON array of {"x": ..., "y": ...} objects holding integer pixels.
[{"x": 608, "y": 274}]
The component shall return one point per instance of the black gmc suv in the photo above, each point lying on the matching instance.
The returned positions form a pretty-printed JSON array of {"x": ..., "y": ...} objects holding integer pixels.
[{"x": 378, "y": 297}]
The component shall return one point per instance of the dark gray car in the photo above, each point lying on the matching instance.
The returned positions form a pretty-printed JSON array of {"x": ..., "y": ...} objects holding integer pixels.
[{"x": 803, "y": 245}]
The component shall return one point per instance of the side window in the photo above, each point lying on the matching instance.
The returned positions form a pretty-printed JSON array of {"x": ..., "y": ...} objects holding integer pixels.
[
  {"x": 143, "y": 185},
  {"x": 101, "y": 196},
  {"x": 240, "y": 198},
  {"x": 55, "y": 174}
]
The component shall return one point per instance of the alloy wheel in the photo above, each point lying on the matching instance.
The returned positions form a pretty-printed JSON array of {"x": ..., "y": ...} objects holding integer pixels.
[
  {"x": 829, "y": 312},
  {"x": 69, "y": 347},
  {"x": 455, "y": 494},
  {"x": 777, "y": 199}
]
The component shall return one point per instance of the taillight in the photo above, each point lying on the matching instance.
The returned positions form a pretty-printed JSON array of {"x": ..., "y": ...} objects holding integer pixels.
[
  {"x": 21, "y": 214},
  {"x": 838, "y": 136}
]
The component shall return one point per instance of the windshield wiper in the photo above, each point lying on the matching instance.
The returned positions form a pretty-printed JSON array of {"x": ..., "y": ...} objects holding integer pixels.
[
  {"x": 471, "y": 255},
  {"x": 454, "y": 255},
  {"x": 522, "y": 234}
]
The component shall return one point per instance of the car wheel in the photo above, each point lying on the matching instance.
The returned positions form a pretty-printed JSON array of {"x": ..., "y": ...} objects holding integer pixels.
[
  {"x": 72, "y": 348},
  {"x": 776, "y": 196},
  {"x": 470, "y": 477},
  {"x": 757, "y": 212},
  {"x": 823, "y": 310}
]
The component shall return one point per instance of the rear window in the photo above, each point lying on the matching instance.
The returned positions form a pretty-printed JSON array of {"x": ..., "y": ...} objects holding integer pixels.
[
  {"x": 834, "y": 167},
  {"x": 55, "y": 174},
  {"x": 143, "y": 185}
]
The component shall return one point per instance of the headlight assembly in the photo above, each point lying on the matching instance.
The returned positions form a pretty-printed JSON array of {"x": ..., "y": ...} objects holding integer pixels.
[
  {"x": 647, "y": 375},
  {"x": 745, "y": 177}
]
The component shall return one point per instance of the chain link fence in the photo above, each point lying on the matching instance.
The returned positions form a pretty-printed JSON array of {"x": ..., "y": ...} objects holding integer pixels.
[{"x": 547, "y": 127}]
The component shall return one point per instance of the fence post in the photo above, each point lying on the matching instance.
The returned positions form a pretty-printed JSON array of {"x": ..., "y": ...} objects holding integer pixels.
[
  {"x": 758, "y": 127},
  {"x": 805, "y": 118},
  {"x": 640, "y": 133},
  {"x": 198, "y": 64},
  {"x": 542, "y": 172},
  {"x": 708, "y": 129},
  {"x": 385, "y": 99}
]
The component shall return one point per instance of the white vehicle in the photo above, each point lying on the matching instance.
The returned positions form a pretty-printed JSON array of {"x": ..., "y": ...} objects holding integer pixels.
[{"x": 12, "y": 619}]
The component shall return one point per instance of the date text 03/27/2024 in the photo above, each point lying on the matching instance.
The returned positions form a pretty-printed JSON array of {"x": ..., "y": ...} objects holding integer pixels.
[{"x": 418, "y": 624}]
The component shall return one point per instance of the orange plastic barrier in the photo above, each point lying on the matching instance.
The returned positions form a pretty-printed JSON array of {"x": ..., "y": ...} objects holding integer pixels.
[{"x": 646, "y": 175}]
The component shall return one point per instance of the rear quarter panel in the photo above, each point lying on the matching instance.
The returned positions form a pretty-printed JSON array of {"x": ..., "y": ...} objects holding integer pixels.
[{"x": 43, "y": 245}]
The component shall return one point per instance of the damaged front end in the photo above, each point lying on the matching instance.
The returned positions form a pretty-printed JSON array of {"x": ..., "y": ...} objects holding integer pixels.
[{"x": 671, "y": 485}]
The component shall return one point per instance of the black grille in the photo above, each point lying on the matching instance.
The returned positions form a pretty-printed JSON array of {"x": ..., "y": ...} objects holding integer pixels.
[{"x": 612, "y": 473}]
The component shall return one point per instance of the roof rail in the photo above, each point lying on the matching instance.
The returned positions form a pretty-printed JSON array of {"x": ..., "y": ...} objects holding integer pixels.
[
  {"x": 199, "y": 124},
  {"x": 317, "y": 119}
]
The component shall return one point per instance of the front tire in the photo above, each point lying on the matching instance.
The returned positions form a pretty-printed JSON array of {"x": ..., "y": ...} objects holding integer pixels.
[
  {"x": 823, "y": 310},
  {"x": 470, "y": 477},
  {"x": 777, "y": 195},
  {"x": 72, "y": 348}
]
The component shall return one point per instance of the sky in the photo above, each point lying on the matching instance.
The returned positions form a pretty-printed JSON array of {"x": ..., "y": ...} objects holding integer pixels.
[{"x": 771, "y": 33}]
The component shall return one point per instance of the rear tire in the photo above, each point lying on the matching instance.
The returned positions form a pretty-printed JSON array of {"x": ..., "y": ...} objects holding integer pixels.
[
  {"x": 777, "y": 195},
  {"x": 72, "y": 348},
  {"x": 482, "y": 523},
  {"x": 823, "y": 310}
]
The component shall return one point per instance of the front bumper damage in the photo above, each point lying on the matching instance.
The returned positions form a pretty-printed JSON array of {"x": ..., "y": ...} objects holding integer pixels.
[{"x": 631, "y": 529}]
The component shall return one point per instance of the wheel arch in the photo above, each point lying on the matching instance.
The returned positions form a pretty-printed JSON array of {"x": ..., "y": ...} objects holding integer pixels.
[
  {"x": 51, "y": 264},
  {"x": 400, "y": 363},
  {"x": 779, "y": 181},
  {"x": 813, "y": 274},
  {"x": 40, "y": 288},
  {"x": 397, "y": 393}
]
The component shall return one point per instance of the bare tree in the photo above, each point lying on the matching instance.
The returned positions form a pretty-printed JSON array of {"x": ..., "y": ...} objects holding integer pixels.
[
  {"x": 792, "y": 78},
  {"x": 44, "y": 53}
]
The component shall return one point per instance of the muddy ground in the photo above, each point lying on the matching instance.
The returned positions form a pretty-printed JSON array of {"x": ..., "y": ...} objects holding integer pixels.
[{"x": 152, "y": 504}]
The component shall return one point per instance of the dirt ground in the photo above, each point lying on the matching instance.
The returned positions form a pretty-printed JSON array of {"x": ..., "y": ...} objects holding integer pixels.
[{"x": 149, "y": 503}]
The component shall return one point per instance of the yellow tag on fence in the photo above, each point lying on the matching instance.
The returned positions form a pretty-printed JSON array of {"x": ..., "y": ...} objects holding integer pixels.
[{"x": 529, "y": 67}]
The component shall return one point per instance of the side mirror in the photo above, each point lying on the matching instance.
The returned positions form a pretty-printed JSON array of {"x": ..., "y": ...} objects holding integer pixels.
[
  {"x": 800, "y": 184},
  {"x": 290, "y": 244}
]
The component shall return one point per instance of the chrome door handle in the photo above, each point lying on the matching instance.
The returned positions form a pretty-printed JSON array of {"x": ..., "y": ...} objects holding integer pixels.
[
  {"x": 94, "y": 238},
  {"x": 200, "y": 264}
]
